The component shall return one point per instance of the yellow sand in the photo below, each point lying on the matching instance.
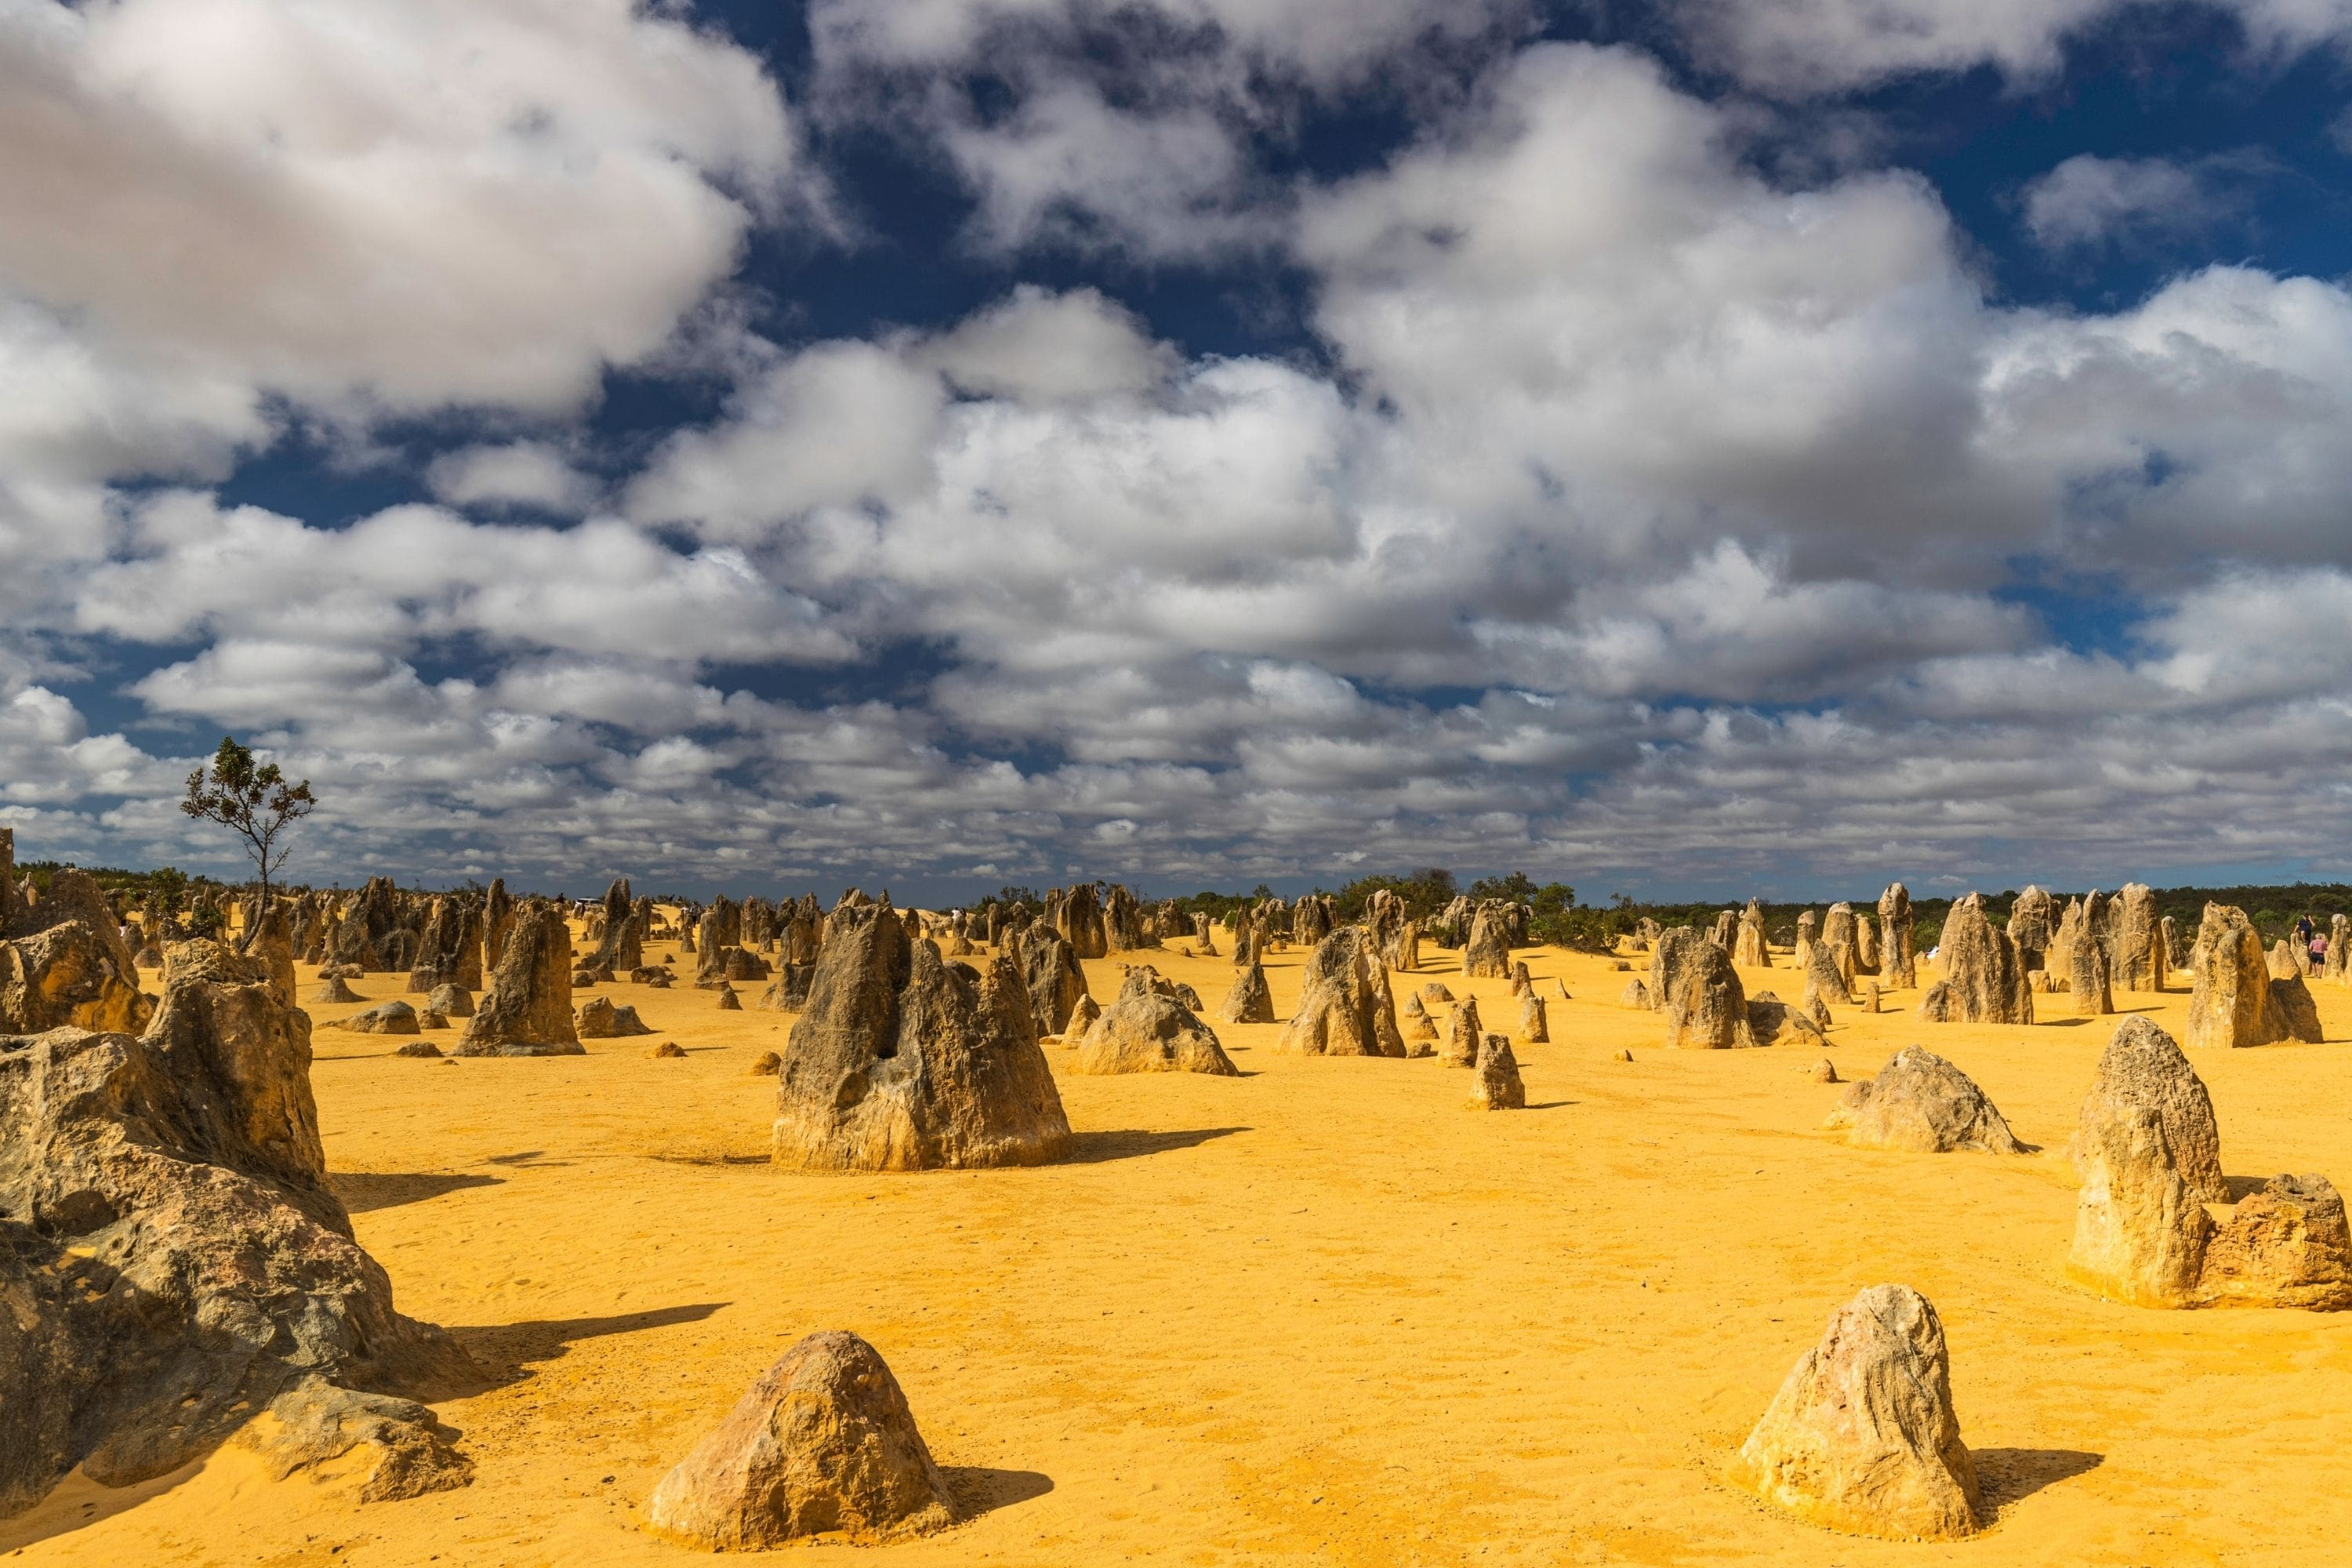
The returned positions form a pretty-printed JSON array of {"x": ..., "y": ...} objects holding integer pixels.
[{"x": 1320, "y": 1314}]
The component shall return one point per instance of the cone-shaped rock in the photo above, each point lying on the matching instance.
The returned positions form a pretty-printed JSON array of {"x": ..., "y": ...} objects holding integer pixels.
[
  {"x": 1921, "y": 1102},
  {"x": 1862, "y": 1438},
  {"x": 1145, "y": 1029},
  {"x": 822, "y": 1442},
  {"x": 904, "y": 1061},
  {"x": 526, "y": 1011},
  {"x": 1345, "y": 1008},
  {"x": 1535, "y": 1022},
  {"x": 333, "y": 990},
  {"x": 1250, "y": 1001},
  {"x": 1497, "y": 1086}
]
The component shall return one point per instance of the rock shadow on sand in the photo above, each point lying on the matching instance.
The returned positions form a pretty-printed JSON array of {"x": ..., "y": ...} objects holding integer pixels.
[
  {"x": 978, "y": 1489},
  {"x": 2012, "y": 1474},
  {"x": 1130, "y": 1143},
  {"x": 513, "y": 1346},
  {"x": 363, "y": 1191}
]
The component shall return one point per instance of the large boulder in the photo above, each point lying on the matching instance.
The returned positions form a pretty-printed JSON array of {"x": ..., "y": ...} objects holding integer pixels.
[
  {"x": 393, "y": 1017},
  {"x": 2286, "y": 1245},
  {"x": 904, "y": 1061},
  {"x": 2231, "y": 1001},
  {"x": 172, "y": 1258},
  {"x": 1250, "y": 1001},
  {"x": 1861, "y": 1436},
  {"x": 526, "y": 1011},
  {"x": 1344, "y": 1007},
  {"x": 1049, "y": 968},
  {"x": 66, "y": 976},
  {"x": 2147, "y": 1154},
  {"x": 1826, "y": 974},
  {"x": 1692, "y": 982},
  {"x": 822, "y": 1443},
  {"x": 1148, "y": 1029},
  {"x": 1921, "y": 1102},
  {"x": 1983, "y": 982}
]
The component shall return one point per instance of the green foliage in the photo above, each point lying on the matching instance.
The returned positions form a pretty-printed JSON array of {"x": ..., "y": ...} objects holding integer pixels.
[
  {"x": 1425, "y": 892},
  {"x": 253, "y": 801},
  {"x": 1009, "y": 895}
]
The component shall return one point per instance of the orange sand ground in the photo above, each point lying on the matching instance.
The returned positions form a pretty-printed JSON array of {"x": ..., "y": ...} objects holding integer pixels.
[{"x": 1320, "y": 1314}]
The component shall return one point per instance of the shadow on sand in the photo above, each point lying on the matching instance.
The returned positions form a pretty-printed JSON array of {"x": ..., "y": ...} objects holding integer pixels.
[
  {"x": 979, "y": 1490},
  {"x": 497, "y": 1345},
  {"x": 1095, "y": 1148},
  {"x": 363, "y": 1191},
  {"x": 2012, "y": 1474}
]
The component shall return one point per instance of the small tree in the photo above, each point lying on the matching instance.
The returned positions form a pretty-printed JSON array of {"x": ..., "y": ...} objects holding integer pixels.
[{"x": 257, "y": 802}]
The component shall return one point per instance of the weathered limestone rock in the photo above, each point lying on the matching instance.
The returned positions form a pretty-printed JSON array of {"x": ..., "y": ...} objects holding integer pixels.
[
  {"x": 1808, "y": 925},
  {"x": 1895, "y": 962},
  {"x": 405, "y": 1452},
  {"x": 1534, "y": 1023},
  {"x": 1635, "y": 994},
  {"x": 1769, "y": 1018},
  {"x": 1725, "y": 930},
  {"x": 2285, "y": 1247},
  {"x": 451, "y": 1002},
  {"x": 2140, "y": 1231},
  {"x": 1498, "y": 1086},
  {"x": 2143, "y": 1067},
  {"x": 1436, "y": 991},
  {"x": 1983, "y": 981},
  {"x": 426, "y": 1018},
  {"x": 1420, "y": 1030},
  {"x": 272, "y": 942},
  {"x": 1463, "y": 1033},
  {"x": 906, "y": 1062},
  {"x": 668, "y": 1050},
  {"x": 1921, "y": 1102},
  {"x": 728, "y": 1001},
  {"x": 418, "y": 1049},
  {"x": 2294, "y": 1010},
  {"x": 333, "y": 990},
  {"x": 1250, "y": 1001},
  {"x": 1693, "y": 983},
  {"x": 66, "y": 976},
  {"x": 1748, "y": 947},
  {"x": 622, "y": 944},
  {"x": 1489, "y": 953},
  {"x": 1146, "y": 1029},
  {"x": 1865, "y": 944},
  {"x": 1837, "y": 935},
  {"x": 2141, "y": 960},
  {"x": 526, "y": 1011},
  {"x": 1861, "y": 1436},
  {"x": 1825, "y": 979},
  {"x": 822, "y": 1442},
  {"x": 1345, "y": 1008},
  {"x": 2031, "y": 926},
  {"x": 393, "y": 1017},
  {"x": 1082, "y": 1018},
  {"x": 767, "y": 1064},
  {"x": 2231, "y": 1003},
  {"x": 1077, "y": 914},
  {"x": 1049, "y": 968},
  {"x": 789, "y": 992},
  {"x": 171, "y": 1255},
  {"x": 2086, "y": 980},
  {"x": 2281, "y": 961},
  {"x": 601, "y": 1019}
]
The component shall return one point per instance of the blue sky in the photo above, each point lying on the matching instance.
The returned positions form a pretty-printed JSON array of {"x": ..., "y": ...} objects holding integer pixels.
[{"x": 1689, "y": 450}]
